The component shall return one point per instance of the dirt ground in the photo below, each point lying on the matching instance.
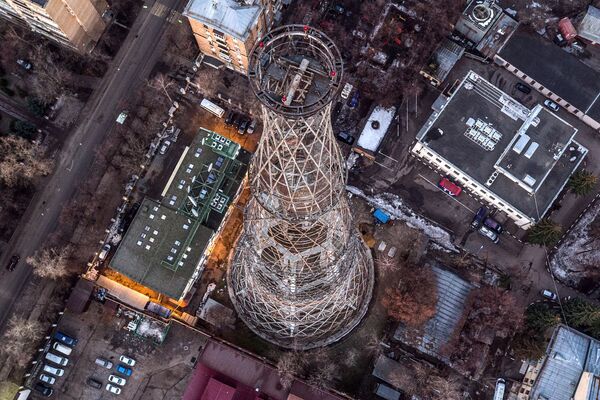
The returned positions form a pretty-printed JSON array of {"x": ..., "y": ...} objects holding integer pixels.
[{"x": 161, "y": 370}]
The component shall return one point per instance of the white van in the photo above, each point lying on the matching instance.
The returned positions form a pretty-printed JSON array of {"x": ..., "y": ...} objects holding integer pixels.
[
  {"x": 500, "y": 387},
  {"x": 57, "y": 359},
  {"x": 61, "y": 348},
  {"x": 54, "y": 371}
]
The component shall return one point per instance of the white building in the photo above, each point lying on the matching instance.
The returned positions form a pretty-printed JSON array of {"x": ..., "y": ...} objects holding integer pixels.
[{"x": 513, "y": 158}]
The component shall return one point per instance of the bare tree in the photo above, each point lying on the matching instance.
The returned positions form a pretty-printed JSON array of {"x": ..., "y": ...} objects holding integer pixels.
[
  {"x": 161, "y": 82},
  {"x": 21, "y": 161},
  {"x": 51, "y": 78},
  {"x": 386, "y": 264},
  {"x": 50, "y": 263},
  {"x": 18, "y": 338},
  {"x": 289, "y": 365},
  {"x": 414, "y": 300}
]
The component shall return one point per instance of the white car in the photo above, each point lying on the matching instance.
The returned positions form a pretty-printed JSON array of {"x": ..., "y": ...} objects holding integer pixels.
[
  {"x": 551, "y": 105},
  {"x": 165, "y": 147},
  {"x": 57, "y": 359},
  {"x": 113, "y": 389},
  {"x": 48, "y": 379},
  {"x": 549, "y": 295},
  {"x": 117, "y": 380},
  {"x": 127, "y": 361},
  {"x": 104, "y": 252},
  {"x": 54, "y": 371},
  {"x": 346, "y": 91}
]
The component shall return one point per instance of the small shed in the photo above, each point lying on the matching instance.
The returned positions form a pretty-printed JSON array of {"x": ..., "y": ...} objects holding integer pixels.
[
  {"x": 375, "y": 128},
  {"x": 589, "y": 27},
  {"x": 566, "y": 28}
]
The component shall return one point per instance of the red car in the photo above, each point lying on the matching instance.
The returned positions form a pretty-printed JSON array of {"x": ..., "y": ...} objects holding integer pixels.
[{"x": 449, "y": 187}]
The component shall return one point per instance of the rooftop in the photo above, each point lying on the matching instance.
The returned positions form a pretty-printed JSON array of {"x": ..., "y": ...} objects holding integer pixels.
[
  {"x": 558, "y": 71},
  {"x": 206, "y": 178},
  {"x": 477, "y": 19},
  {"x": 525, "y": 156},
  {"x": 162, "y": 248},
  {"x": 372, "y": 134},
  {"x": 449, "y": 310},
  {"x": 164, "y": 245},
  {"x": 589, "y": 27},
  {"x": 569, "y": 355},
  {"x": 233, "y": 17}
]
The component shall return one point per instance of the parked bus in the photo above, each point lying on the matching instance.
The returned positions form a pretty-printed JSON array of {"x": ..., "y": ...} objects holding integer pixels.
[
  {"x": 212, "y": 107},
  {"x": 500, "y": 386}
]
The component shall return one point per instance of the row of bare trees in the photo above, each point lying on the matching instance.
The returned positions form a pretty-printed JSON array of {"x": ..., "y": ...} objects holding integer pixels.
[{"x": 18, "y": 340}]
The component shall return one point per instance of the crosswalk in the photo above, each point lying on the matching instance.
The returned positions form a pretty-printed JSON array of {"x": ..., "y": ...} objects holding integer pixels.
[{"x": 159, "y": 9}]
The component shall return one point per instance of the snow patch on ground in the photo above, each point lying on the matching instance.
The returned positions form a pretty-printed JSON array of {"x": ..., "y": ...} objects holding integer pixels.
[
  {"x": 578, "y": 252},
  {"x": 150, "y": 329},
  {"x": 395, "y": 207}
]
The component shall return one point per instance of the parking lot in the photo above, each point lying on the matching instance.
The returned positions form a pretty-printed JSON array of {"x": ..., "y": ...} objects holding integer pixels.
[{"x": 161, "y": 370}]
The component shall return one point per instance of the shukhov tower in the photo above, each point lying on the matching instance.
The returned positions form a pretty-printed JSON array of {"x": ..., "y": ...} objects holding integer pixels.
[{"x": 301, "y": 276}]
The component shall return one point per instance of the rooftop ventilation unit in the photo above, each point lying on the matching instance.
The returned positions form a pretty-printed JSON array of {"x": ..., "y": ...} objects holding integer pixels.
[
  {"x": 521, "y": 143},
  {"x": 482, "y": 14}
]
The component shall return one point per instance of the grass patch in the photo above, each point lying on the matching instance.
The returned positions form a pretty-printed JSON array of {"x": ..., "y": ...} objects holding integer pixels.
[{"x": 8, "y": 390}]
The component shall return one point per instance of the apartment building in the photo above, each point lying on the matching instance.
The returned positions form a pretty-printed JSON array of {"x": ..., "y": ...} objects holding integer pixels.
[
  {"x": 226, "y": 30},
  {"x": 73, "y": 23}
]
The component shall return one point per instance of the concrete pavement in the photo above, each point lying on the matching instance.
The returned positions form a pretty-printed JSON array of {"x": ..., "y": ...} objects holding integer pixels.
[{"x": 129, "y": 69}]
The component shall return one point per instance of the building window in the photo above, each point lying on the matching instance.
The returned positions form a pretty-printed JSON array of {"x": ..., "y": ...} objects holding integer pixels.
[{"x": 218, "y": 34}]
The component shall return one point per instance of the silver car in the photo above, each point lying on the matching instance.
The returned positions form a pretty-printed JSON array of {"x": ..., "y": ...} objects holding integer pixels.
[{"x": 488, "y": 233}]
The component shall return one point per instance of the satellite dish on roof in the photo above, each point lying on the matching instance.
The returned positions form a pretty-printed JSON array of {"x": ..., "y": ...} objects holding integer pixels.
[
  {"x": 193, "y": 201},
  {"x": 194, "y": 212}
]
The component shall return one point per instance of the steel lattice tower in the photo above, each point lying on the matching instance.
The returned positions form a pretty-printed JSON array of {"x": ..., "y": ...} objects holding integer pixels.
[{"x": 301, "y": 276}]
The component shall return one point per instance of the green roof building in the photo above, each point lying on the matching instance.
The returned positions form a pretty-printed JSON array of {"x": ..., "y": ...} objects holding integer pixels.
[{"x": 167, "y": 243}]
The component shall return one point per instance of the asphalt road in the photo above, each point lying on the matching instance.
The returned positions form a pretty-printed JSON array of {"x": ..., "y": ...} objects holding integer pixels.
[{"x": 130, "y": 68}]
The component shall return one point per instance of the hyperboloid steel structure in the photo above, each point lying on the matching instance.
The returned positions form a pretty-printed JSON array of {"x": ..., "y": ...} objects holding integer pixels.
[{"x": 301, "y": 276}]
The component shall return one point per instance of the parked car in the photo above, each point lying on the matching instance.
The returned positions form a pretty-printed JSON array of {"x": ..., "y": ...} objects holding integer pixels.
[
  {"x": 243, "y": 126},
  {"x": 53, "y": 370},
  {"x": 488, "y": 233},
  {"x": 96, "y": 384},
  {"x": 549, "y": 295},
  {"x": 117, "y": 380},
  {"x": 551, "y": 105},
  {"x": 48, "y": 379},
  {"x": 478, "y": 218},
  {"x": 61, "y": 348},
  {"x": 521, "y": 87},
  {"x": 345, "y": 137},
  {"x": 229, "y": 117},
  {"x": 43, "y": 389},
  {"x": 113, "y": 389},
  {"x": 353, "y": 101},
  {"x": 25, "y": 64},
  {"x": 251, "y": 127},
  {"x": 57, "y": 359},
  {"x": 346, "y": 90},
  {"x": 127, "y": 361},
  {"x": 104, "y": 252},
  {"x": 449, "y": 187},
  {"x": 103, "y": 363},
  {"x": 68, "y": 340},
  {"x": 123, "y": 370},
  {"x": 493, "y": 225},
  {"x": 165, "y": 146},
  {"x": 12, "y": 263}
]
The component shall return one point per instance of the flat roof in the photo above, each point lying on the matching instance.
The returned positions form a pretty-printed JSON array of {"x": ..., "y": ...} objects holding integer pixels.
[
  {"x": 164, "y": 245},
  {"x": 558, "y": 71},
  {"x": 589, "y": 27},
  {"x": 207, "y": 177},
  {"x": 370, "y": 137},
  {"x": 230, "y": 16},
  {"x": 514, "y": 151},
  {"x": 162, "y": 248}
]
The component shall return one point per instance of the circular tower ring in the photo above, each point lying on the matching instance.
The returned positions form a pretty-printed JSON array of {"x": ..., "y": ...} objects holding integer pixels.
[{"x": 295, "y": 70}]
